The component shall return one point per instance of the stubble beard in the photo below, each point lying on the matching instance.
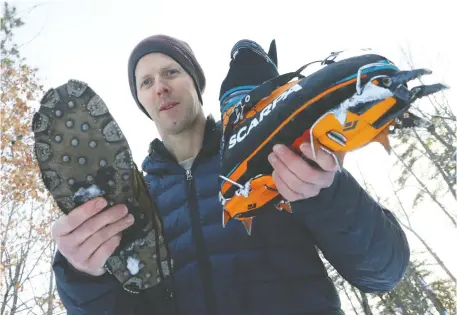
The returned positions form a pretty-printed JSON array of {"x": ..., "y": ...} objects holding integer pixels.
[{"x": 186, "y": 124}]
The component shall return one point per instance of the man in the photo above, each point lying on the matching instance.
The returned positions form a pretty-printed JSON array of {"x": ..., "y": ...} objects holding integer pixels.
[{"x": 277, "y": 269}]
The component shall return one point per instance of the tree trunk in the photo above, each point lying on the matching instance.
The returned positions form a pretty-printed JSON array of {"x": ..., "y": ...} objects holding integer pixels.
[
  {"x": 386, "y": 305},
  {"x": 5, "y": 299},
  {"x": 350, "y": 300},
  {"x": 440, "y": 139},
  {"x": 429, "y": 249},
  {"x": 398, "y": 302},
  {"x": 432, "y": 158},
  {"x": 15, "y": 282},
  {"x": 429, "y": 293},
  {"x": 51, "y": 288},
  {"x": 427, "y": 191},
  {"x": 365, "y": 304},
  {"x": 409, "y": 228}
]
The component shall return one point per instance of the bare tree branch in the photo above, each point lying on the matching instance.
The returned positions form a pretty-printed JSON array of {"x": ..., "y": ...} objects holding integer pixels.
[{"x": 424, "y": 187}]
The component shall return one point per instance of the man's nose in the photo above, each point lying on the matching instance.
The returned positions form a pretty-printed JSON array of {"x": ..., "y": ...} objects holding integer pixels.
[{"x": 161, "y": 88}]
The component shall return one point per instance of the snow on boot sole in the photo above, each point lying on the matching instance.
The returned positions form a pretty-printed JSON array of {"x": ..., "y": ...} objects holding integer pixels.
[{"x": 83, "y": 154}]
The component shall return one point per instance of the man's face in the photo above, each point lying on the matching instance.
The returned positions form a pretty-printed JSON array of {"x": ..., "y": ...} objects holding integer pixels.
[{"x": 167, "y": 92}]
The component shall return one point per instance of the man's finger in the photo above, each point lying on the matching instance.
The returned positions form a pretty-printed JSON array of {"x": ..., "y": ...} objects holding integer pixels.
[
  {"x": 289, "y": 158},
  {"x": 298, "y": 166},
  {"x": 302, "y": 169},
  {"x": 78, "y": 216},
  {"x": 284, "y": 171},
  {"x": 97, "y": 223},
  {"x": 94, "y": 241},
  {"x": 101, "y": 255},
  {"x": 325, "y": 160},
  {"x": 284, "y": 189}
]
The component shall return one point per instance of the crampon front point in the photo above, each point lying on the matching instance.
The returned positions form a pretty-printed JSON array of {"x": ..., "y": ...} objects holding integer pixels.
[{"x": 340, "y": 108}]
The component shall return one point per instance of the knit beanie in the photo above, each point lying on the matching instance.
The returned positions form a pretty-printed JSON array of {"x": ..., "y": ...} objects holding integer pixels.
[{"x": 178, "y": 50}]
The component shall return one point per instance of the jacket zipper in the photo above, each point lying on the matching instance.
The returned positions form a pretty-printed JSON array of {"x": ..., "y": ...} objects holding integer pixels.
[{"x": 204, "y": 263}]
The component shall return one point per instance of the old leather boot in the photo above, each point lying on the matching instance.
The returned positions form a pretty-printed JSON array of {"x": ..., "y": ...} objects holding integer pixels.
[{"x": 83, "y": 154}]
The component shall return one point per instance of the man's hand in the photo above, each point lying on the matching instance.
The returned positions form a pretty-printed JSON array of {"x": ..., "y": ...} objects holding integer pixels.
[
  {"x": 295, "y": 178},
  {"x": 87, "y": 237}
]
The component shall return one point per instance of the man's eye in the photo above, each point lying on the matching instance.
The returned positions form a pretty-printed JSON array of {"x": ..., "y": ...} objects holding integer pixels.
[
  {"x": 146, "y": 82},
  {"x": 171, "y": 72}
]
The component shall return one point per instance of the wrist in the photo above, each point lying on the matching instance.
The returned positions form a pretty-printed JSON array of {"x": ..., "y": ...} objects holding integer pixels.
[{"x": 82, "y": 272}]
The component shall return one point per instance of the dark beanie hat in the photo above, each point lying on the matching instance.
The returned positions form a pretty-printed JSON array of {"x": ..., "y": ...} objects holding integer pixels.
[{"x": 178, "y": 50}]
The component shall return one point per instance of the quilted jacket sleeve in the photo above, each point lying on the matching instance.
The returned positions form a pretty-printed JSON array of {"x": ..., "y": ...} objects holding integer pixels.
[
  {"x": 362, "y": 240},
  {"x": 83, "y": 294}
]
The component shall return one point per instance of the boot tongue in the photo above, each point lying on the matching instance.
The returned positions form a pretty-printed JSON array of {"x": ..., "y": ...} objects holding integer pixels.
[{"x": 272, "y": 53}]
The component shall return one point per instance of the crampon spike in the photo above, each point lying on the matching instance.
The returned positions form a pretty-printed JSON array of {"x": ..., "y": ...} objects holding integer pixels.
[
  {"x": 283, "y": 206},
  {"x": 247, "y": 222},
  {"x": 225, "y": 218},
  {"x": 383, "y": 139}
]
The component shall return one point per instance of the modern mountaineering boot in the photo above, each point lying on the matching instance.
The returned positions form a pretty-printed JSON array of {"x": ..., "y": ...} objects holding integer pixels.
[
  {"x": 340, "y": 108},
  {"x": 83, "y": 154}
]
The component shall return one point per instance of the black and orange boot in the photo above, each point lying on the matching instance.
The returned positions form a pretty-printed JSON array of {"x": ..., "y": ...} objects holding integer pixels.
[{"x": 340, "y": 108}]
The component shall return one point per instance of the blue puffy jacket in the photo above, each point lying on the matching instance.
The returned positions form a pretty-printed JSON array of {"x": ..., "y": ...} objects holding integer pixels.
[{"x": 276, "y": 270}]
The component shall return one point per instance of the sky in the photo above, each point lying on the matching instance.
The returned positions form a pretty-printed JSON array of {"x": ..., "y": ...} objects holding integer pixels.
[{"x": 91, "y": 41}]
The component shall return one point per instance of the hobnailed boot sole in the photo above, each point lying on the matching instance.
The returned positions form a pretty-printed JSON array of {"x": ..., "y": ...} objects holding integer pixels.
[{"x": 82, "y": 154}]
